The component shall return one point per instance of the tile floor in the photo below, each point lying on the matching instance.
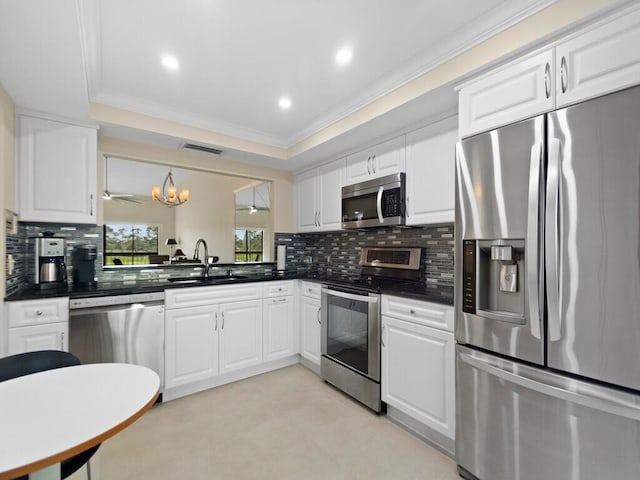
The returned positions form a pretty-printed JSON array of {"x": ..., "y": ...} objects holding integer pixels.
[{"x": 286, "y": 424}]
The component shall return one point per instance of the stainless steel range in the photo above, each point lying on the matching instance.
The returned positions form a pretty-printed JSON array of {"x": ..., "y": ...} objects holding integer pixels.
[{"x": 350, "y": 342}]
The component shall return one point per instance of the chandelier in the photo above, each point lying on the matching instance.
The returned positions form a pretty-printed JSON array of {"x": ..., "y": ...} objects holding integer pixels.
[{"x": 169, "y": 194}]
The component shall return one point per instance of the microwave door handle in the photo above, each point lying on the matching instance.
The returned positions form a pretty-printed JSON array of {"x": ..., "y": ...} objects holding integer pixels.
[{"x": 379, "y": 204}]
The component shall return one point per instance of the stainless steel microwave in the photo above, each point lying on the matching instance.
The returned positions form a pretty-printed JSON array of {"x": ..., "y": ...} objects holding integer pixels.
[{"x": 374, "y": 203}]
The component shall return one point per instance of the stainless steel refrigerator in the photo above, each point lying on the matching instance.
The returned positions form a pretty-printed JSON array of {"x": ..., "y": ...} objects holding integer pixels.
[{"x": 548, "y": 296}]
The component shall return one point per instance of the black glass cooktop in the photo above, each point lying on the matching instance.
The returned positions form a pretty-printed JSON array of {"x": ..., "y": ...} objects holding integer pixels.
[{"x": 370, "y": 283}]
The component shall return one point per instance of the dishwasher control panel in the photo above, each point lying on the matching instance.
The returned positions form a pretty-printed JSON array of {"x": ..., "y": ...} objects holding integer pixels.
[{"x": 90, "y": 302}]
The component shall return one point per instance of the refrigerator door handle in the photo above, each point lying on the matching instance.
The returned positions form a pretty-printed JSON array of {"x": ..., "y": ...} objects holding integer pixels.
[
  {"x": 551, "y": 239},
  {"x": 532, "y": 242},
  {"x": 581, "y": 393}
]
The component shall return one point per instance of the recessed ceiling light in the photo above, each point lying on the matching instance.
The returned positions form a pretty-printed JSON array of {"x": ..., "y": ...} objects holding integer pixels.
[
  {"x": 285, "y": 103},
  {"x": 343, "y": 56},
  {"x": 170, "y": 62}
]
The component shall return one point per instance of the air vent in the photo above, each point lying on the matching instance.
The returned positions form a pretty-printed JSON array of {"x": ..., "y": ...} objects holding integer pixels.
[{"x": 202, "y": 148}]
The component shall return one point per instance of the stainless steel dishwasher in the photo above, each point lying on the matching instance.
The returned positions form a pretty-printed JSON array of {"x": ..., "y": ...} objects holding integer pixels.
[{"x": 119, "y": 329}]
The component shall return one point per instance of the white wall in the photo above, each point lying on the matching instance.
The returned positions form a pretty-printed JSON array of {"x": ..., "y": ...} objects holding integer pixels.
[
  {"x": 7, "y": 195},
  {"x": 211, "y": 217}
]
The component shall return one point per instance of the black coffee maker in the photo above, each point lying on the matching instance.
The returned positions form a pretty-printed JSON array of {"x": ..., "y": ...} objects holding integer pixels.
[{"x": 84, "y": 268}]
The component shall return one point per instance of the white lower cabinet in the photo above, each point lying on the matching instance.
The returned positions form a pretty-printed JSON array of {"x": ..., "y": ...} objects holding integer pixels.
[
  {"x": 418, "y": 375},
  {"x": 38, "y": 325},
  {"x": 310, "y": 348},
  {"x": 310, "y": 322},
  {"x": 191, "y": 345},
  {"x": 50, "y": 336},
  {"x": 279, "y": 328},
  {"x": 240, "y": 335},
  {"x": 218, "y": 334}
]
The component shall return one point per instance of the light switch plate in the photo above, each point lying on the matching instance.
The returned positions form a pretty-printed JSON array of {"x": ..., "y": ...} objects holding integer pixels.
[{"x": 11, "y": 222}]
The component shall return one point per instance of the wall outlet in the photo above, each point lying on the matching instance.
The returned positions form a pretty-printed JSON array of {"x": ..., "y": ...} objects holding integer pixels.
[{"x": 11, "y": 264}]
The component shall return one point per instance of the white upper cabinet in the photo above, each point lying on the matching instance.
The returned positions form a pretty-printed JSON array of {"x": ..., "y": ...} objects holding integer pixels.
[
  {"x": 307, "y": 211},
  {"x": 383, "y": 159},
  {"x": 430, "y": 195},
  {"x": 599, "y": 61},
  {"x": 319, "y": 197},
  {"x": 594, "y": 61},
  {"x": 331, "y": 179},
  {"x": 57, "y": 177},
  {"x": 521, "y": 89}
]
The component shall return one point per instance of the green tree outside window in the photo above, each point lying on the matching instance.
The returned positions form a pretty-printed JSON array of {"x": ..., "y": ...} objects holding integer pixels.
[
  {"x": 129, "y": 244},
  {"x": 249, "y": 245}
]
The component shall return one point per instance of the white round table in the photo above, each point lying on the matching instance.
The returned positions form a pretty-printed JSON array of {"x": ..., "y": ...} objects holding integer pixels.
[{"x": 49, "y": 416}]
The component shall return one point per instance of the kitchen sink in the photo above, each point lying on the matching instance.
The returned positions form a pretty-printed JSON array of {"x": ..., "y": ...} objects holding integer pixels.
[
  {"x": 186, "y": 280},
  {"x": 226, "y": 277},
  {"x": 214, "y": 278}
]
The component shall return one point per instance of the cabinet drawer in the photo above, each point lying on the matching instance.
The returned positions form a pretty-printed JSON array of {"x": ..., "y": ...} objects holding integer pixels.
[
  {"x": 311, "y": 289},
  {"x": 278, "y": 288},
  {"x": 38, "y": 312},
  {"x": 197, "y": 296},
  {"x": 424, "y": 313}
]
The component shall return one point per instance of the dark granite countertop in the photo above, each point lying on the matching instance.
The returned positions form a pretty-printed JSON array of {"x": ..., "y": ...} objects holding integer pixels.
[
  {"x": 427, "y": 293},
  {"x": 103, "y": 289},
  {"x": 440, "y": 294}
]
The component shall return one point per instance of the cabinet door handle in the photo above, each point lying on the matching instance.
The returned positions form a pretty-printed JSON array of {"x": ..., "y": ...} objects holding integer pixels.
[
  {"x": 215, "y": 328},
  {"x": 61, "y": 340},
  {"x": 280, "y": 300},
  {"x": 91, "y": 205},
  {"x": 547, "y": 80},
  {"x": 564, "y": 71},
  {"x": 318, "y": 316},
  {"x": 373, "y": 163},
  {"x": 369, "y": 164},
  {"x": 412, "y": 311},
  {"x": 38, "y": 313},
  {"x": 222, "y": 327},
  {"x": 382, "y": 336}
]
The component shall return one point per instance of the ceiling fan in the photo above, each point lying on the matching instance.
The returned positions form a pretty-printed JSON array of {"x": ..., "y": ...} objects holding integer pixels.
[
  {"x": 108, "y": 195},
  {"x": 253, "y": 208}
]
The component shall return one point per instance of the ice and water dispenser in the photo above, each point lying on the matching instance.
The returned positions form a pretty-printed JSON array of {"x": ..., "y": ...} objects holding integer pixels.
[{"x": 493, "y": 279}]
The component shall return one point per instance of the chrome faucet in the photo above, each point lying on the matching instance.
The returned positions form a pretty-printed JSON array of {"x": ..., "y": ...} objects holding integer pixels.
[{"x": 206, "y": 255}]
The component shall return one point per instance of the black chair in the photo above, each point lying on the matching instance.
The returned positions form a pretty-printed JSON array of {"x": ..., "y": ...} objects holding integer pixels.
[{"x": 21, "y": 364}]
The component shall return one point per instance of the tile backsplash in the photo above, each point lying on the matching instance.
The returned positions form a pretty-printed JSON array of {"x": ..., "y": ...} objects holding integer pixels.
[
  {"x": 338, "y": 253},
  {"x": 330, "y": 253},
  {"x": 18, "y": 244}
]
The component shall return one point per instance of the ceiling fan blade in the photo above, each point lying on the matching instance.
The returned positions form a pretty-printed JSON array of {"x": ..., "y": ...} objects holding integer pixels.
[{"x": 125, "y": 199}]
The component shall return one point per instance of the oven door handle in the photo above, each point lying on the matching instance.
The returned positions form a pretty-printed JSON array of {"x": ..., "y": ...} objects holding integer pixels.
[{"x": 351, "y": 296}]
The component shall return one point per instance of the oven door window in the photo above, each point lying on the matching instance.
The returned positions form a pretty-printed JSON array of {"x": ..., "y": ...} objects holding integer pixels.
[
  {"x": 365, "y": 206},
  {"x": 348, "y": 332}
]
